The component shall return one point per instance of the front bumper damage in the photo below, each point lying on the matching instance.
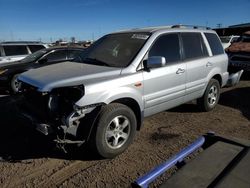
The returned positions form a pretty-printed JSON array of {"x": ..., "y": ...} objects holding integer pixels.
[
  {"x": 61, "y": 122},
  {"x": 64, "y": 133}
]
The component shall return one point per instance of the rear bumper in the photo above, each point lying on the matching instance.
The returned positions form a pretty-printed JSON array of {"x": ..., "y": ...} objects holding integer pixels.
[
  {"x": 234, "y": 78},
  {"x": 225, "y": 77}
]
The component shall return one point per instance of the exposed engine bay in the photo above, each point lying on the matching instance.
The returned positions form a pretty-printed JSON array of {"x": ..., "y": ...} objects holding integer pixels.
[{"x": 55, "y": 112}]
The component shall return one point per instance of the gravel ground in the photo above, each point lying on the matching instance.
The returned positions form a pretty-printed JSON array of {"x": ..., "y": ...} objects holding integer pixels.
[{"x": 28, "y": 160}]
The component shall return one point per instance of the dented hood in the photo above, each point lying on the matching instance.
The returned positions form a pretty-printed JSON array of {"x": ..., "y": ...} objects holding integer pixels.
[{"x": 66, "y": 74}]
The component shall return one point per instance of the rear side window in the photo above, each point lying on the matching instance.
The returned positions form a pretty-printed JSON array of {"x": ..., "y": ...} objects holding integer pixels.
[
  {"x": 72, "y": 54},
  {"x": 15, "y": 50},
  {"x": 167, "y": 46},
  {"x": 193, "y": 45},
  {"x": 34, "y": 48},
  {"x": 58, "y": 55},
  {"x": 214, "y": 43}
]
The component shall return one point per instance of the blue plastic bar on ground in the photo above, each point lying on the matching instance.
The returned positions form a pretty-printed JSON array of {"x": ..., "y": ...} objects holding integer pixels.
[{"x": 145, "y": 180}]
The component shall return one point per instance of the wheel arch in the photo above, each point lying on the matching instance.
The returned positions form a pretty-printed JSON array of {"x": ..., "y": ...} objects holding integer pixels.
[
  {"x": 218, "y": 78},
  {"x": 135, "y": 107}
]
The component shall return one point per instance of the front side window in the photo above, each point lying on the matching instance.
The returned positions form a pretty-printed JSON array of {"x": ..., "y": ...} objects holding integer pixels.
[
  {"x": 115, "y": 50},
  {"x": 214, "y": 43},
  {"x": 15, "y": 50},
  {"x": 193, "y": 46},
  {"x": 34, "y": 57},
  {"x": 167, "y": 46}
]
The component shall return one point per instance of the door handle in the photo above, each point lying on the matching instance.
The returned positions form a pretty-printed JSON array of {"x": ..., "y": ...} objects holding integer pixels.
[
  {"x": 180, "y": 71},
  {"x": 209, "y": 64}
]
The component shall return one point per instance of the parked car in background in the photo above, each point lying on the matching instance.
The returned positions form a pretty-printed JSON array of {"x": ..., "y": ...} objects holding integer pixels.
[
  {"x": 10, "y": 72},
  {"x": 239, "y": 54},
  {"x": 124, "y": 77},
  {"x": 15, "y": 51},
  {"x": 228, "y": 40}
]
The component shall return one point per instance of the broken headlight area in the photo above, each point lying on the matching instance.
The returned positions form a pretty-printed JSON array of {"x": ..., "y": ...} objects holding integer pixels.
[
  {"x": 55, "y": 113},
  {"x": 61, "y": 101},
  {"x": 55, "y": 107}
]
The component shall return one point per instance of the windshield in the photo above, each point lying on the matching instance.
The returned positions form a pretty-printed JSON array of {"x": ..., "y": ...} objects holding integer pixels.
[
  {"x": 115, "y": 50},
  {"x": 33, "y": 57},
  {"x": 245, "y": 38}
]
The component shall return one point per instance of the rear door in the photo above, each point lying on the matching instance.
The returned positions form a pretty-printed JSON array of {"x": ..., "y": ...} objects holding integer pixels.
[
  {"x": 195, "y": 55},
  {"x": 164, "y": 87}
]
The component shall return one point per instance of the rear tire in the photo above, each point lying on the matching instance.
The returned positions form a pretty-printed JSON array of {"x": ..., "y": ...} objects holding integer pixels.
[
  {"x": 211, "y": 96},
  {"x": 114, "y": 131}
]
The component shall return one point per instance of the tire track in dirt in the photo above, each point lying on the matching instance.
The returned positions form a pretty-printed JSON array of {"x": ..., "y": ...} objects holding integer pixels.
[
  {"x": 59, "y": 177},
  {"x": 33, "y": 173}
]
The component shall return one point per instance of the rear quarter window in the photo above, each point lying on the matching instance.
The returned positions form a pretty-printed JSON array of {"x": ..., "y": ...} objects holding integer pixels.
[
  {"x": 214, "y": 43},
  {"x": 74, "y": 53},
  {"x": 15, "y": 50},
  {"x": 34, "y": 48}
]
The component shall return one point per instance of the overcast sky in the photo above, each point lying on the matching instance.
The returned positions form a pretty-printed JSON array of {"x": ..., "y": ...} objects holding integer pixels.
[{"x": 87, "y": 19}]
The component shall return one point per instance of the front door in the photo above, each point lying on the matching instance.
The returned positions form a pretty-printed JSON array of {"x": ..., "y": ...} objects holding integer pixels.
[{"x": 164, "y": 87}]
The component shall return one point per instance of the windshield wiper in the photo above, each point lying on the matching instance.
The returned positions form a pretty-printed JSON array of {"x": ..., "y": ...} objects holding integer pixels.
[{"x": 96, "y": 61}]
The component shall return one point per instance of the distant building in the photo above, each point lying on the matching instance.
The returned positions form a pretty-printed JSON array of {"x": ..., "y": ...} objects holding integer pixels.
[
  {"x": 238, "y": 29},
  {"x": 240, "y": 25}
]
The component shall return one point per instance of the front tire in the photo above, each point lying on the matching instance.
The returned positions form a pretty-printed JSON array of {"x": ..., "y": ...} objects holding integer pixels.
[
  {"x": 15, "y": 85},
  {"x": 115, "y": 129},
  {"x": 211, "y": 96}
]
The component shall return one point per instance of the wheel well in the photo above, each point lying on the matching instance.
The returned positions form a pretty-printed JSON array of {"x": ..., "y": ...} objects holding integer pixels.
[
  {"x": 134, "y": 106},
  {"x": 218, "y": 77}
]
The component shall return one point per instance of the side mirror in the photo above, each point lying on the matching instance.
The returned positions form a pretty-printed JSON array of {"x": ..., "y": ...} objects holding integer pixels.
[
  {"x": 42, "y": 61},
  {"x": 154, "y": 62}
]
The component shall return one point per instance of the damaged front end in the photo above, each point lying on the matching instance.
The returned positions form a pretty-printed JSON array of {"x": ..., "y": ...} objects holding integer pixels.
[{"x": 55, "y": 113}]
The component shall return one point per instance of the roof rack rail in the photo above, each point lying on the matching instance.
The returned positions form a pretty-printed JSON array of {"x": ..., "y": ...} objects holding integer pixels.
[
  {"x": 21, "y": 42},
  {"x": 191, "y": 26}
]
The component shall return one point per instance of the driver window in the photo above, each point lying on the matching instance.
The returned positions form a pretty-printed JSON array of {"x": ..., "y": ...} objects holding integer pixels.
[{"x": 167, "y": 46}]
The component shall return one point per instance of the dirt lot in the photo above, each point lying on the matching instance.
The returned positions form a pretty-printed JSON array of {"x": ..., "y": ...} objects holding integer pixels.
[{"x": 28, "y": 160}]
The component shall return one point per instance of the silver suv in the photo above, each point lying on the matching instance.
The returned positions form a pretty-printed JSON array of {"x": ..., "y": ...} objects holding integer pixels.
[{"x": 123, "y": 77}]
